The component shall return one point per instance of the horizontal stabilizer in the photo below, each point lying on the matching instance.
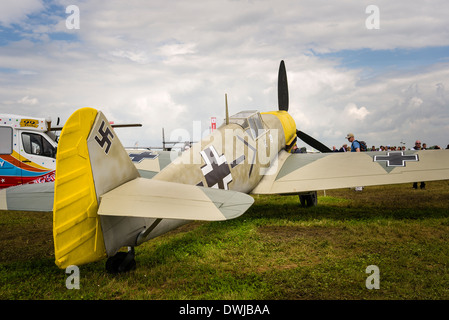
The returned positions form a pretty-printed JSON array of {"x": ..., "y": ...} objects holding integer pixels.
[
  {"x": 168, "y": 200},
  {"x": 28, "y": 197}
]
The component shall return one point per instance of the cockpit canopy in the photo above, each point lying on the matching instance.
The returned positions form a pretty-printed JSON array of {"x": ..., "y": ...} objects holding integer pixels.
[{"x": 250, "y": 121}]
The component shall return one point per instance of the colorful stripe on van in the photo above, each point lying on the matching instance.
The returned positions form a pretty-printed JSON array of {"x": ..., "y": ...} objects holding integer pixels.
[{"x": 14, "y": 171}]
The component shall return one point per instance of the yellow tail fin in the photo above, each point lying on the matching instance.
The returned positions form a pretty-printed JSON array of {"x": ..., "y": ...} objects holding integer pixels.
[
  {"x": 90, "y": 162},
  {"x": 77, "y": 234}
]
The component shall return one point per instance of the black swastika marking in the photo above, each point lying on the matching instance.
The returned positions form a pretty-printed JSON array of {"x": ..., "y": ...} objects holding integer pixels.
[{"x": 104, "y": 137}]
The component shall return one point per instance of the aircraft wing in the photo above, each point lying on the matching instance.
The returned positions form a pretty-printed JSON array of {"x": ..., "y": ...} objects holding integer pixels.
[
  {"x": 39, "y": 196},
  {"x": 28, "y": 197},
  {"x": 295, "y": 173},
  {"x": 149, "y": 163},
  {"x": 148, "y": 198}
]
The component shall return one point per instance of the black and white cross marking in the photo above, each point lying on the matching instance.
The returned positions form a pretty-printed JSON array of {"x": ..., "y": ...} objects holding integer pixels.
[
  {"x": 104, "y": 137},
  {"x": 138, "y": 157},
  {"x": 216, "y": 170},
  {"x": 396, "y": 159}
]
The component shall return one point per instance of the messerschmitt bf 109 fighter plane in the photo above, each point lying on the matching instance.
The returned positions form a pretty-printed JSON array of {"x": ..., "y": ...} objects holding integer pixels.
[{"x": 106, "y": 198}]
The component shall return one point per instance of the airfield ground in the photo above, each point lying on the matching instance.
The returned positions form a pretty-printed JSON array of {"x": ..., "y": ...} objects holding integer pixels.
[{"x": 276, "y": 251}]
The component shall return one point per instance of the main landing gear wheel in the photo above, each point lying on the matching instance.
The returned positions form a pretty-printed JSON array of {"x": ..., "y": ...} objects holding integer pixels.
[
  {"x": 121, "y": 262},
  {"x": 308, "y": 200}
]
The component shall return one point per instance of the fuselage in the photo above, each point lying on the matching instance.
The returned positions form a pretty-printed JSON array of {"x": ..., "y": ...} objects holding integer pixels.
[
  {"x": 234, "y": 157},
  {"x": 237, "y": 155}
]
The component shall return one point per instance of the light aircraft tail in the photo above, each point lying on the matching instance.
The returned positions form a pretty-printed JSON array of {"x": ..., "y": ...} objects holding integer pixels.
[
  {"x": 90, "y": 162},
  {"x": 102, "y": 204}
]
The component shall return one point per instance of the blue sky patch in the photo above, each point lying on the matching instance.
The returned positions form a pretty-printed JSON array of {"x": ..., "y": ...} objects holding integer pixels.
[
  {"x": 31, "y": 27},
  {"x": 380, "y": 61},
  {"x": 8, "y": 35}
]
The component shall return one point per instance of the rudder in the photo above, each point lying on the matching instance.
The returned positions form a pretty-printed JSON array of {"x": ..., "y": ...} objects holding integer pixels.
[{"x": 90, "y": 161}]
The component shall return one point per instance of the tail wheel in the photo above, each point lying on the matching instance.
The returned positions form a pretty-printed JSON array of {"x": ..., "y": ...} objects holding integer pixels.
[{"x": 121, "y": 262}]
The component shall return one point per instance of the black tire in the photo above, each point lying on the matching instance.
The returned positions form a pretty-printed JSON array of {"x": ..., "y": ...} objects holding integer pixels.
[
  {"x": 308, "y": 200},
  {"x": 302, "y": 200},
  {"x": 120, "y": 263}
]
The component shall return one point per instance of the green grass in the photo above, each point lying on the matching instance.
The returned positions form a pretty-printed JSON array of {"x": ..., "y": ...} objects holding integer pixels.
[{"x": 277, "y": 250}]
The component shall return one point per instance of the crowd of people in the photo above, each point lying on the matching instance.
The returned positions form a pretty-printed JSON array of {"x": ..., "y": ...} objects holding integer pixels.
[
  {"x": 345, "y": 147},
  {"x": 358, "y": 146}
]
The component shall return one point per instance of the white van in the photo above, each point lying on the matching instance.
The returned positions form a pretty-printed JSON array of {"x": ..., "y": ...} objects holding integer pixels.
[{"x": 27, "y": 150}]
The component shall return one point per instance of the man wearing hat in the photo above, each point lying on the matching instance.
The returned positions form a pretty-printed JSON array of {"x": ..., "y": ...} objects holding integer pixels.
[
  {"x": 355, "y": 147},
  {"x": 418, "y": 147}
]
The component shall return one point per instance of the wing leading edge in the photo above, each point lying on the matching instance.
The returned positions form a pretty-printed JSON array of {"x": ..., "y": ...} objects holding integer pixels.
[
  {"x": 297, "y": 173},
  {"x": 148, "y": 198}
]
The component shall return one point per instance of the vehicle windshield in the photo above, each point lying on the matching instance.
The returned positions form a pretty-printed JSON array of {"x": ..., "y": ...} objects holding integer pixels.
[{"x": 36, "y": 144}]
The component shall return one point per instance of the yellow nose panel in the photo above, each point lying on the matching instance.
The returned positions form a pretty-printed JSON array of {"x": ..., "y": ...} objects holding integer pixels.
[{"x": 288, "y": 124}]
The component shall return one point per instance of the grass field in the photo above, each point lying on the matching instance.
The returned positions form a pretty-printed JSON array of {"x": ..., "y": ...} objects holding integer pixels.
[{"x": 277, "y": 251}]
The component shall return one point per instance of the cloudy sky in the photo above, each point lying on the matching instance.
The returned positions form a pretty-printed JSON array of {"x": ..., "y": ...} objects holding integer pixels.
[{"x": 380, "y": 72}]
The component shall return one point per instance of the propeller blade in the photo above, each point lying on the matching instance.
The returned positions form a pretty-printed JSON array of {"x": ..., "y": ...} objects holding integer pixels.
[
  {"x": 283, "y": 105},
  {"x": 282, "y": 88},
  {"x": 312, "y": 142}
]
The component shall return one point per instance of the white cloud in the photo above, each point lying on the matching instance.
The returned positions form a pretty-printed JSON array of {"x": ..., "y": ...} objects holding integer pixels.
[
  {"x": 177, "y": 49},
  {"x": 135, "y": 56},
  {"x": 355, "y": 113},
  {"x": 14, "y": 12},
  {"x": 28, "y": 101}
]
